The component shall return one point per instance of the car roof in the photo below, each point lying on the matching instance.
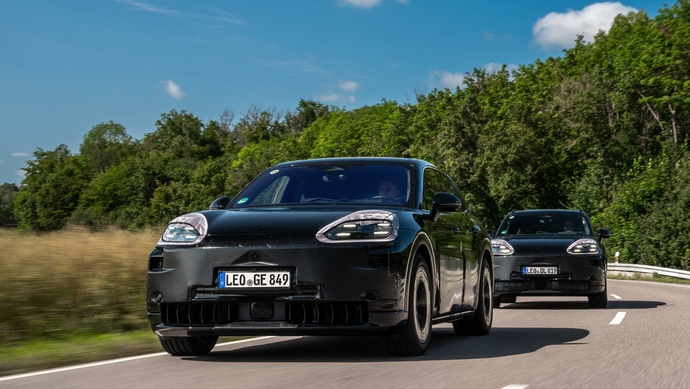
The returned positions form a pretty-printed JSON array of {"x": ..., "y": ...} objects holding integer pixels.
[
  {"x": 552, "y": 210},
  {"x": 358, "y": 160}
]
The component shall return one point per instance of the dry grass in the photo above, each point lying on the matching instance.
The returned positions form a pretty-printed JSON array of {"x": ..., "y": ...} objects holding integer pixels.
[{"x": 72, "y": 282}]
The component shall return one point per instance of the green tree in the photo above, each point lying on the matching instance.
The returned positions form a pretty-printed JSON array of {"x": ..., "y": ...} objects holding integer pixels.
[
  {"x": 106, "y": 144},
  {"x": 7, "y": 194},
  {"x": 50, "y": 190}
]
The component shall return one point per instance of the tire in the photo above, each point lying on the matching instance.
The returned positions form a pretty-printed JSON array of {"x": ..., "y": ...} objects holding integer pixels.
[
  {"x": 599, "y": 300},
  {"x": 480, "y": 323},
  {"x": 415, "y": 336},
  {"x": 192, "y": 346}
]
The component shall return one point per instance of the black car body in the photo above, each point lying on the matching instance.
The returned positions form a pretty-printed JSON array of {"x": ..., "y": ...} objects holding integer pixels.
[
  {"x": 549, "y": 252},
  {"x": 313, "y": 247}
]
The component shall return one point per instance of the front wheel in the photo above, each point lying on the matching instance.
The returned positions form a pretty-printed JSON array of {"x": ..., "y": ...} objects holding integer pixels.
[
  {"x": 480, "y": 323},
  {"x": 415, "y": 336},
  {"x": 191, "y": 346},
  {"x": 599, "y": 300}
]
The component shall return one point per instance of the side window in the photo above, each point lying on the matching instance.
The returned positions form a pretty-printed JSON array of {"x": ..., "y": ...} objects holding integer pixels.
[{"x": 434, "y": 182}]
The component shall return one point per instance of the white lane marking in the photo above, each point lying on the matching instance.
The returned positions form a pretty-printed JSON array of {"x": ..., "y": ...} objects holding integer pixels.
[
  {"x": 514, "y": 386},
  {"x": 111, "y": 361},
  {"x": 618, "y": 319},
  {"x": 617, "y": 297},
  {"x": 243, "y": 341}
]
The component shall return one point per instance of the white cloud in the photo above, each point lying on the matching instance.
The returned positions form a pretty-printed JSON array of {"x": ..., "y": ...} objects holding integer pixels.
[
  {"x": 224, "y": 16},
  {"x": 346, "y": 93},
  {"x": 328, "y": 97},
  {"x": 366, "y": 4},
  {"x": 443, "y": 79},
  {"x": 19, "y": 154},
  {"x": 299, "y": 66},
  {"x": 173, "y": 89},
  {"x": 20, "y": 173},
  {"x": 446, "y": 79},
  {"x": 148, "y": 7},
  {"x": 559, "y": 30},
  {"x": 493, "y": 67},
  {"x": 348, "y": 86}
]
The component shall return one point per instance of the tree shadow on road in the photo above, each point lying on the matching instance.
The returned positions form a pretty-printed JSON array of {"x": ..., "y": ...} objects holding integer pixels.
[{"x": 445, "y": 345}]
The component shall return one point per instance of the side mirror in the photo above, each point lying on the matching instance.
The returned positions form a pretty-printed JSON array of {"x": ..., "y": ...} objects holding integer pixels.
[
  {"x": 220, "y": 203},
  {"x": 491, "y": 233},
  {"x": 604, "y": 234},
  {"x": 444, "y": 202}
]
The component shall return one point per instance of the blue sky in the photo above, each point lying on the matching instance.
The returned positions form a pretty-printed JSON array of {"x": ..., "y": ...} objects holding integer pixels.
[{"x": 66, "y": 66}]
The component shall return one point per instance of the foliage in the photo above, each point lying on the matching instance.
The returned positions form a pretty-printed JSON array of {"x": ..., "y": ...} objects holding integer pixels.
[
  {"x": 53, "y": 185},
  {"x": 7, "y": 194},
  {"x": 105, "y": 145}
]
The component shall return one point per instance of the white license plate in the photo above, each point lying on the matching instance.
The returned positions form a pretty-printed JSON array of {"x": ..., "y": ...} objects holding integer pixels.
[
  {"x": 253, "y": 279},
  {"x": 540, "y": 270}
]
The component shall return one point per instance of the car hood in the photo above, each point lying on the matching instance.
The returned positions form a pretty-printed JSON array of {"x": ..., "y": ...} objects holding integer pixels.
[
  {"x": 274, "y": 221},
  {"x": 542, "y": 244}
]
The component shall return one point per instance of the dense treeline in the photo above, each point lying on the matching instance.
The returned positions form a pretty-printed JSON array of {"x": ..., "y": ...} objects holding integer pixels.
[{"x": 604, "y": 128}]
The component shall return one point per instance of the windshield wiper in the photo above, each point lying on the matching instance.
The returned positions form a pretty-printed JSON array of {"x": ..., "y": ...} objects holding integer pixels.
[{"x": 325, "y": 200}]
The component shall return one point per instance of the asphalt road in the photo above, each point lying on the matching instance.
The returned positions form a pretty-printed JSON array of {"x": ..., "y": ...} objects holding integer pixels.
[{"x": 642, "y": 340}]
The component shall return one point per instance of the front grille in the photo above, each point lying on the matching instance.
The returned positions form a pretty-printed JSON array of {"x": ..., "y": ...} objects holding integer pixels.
[
  {"x": 559, "y": 285},
  {"x": 349, "y": 313},
  {"x": 573, "y": 286},
  {"x": 512, "y": 286},
  {"x": 200, "y": 314}
]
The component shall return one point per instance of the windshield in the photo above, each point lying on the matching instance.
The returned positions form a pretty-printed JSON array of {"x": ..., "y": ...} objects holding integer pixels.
[
  {"x": 328, "y": 184},
  {"x": 545, "y": 223}
]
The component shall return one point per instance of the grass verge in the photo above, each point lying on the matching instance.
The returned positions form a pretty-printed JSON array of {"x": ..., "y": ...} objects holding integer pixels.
[
  {"x": 647, "y": 277},
  {"x": 75, "y": 350}
]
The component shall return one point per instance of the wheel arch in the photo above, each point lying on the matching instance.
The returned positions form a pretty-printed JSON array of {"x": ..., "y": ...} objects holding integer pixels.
[
  {"x": 487, "y": 255},
  {"x": 422, "y": 245}
]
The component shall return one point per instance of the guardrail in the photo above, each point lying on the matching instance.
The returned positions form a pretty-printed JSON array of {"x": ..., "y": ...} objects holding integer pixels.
[{"x": 662, "y": 271}]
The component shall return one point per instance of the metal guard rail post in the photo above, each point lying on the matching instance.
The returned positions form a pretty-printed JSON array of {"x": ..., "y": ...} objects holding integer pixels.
[{"x": 662, "y": 271}]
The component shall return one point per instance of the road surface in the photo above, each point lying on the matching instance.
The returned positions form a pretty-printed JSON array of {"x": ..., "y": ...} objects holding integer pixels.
[{"x": 642, "y": 340}]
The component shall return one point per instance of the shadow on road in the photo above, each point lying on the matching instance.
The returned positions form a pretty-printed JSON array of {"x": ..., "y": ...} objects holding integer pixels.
[
  {"x": 445, "y": 345},
  {"x": 575, "y": 305}
]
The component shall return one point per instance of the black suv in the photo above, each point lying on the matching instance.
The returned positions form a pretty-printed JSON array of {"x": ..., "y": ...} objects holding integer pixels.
[{"x": 549, "y": 252}]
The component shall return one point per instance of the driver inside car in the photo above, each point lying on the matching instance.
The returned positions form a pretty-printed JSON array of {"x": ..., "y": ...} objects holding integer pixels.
[{"x": 389, "y": 189}]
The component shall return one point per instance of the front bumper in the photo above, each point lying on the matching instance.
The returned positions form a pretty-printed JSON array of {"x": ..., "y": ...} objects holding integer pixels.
[
  {"x": 335, "y": 289},
  {"x": 578, "y": 275}
]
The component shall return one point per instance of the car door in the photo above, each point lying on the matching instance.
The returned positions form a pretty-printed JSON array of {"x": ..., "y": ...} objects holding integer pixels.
[
  {"x": 472, "y": 256},
  {"x": 451, "y": 234}
]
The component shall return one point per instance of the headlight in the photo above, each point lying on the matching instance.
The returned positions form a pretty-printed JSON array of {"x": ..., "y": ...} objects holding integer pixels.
[
  {"x": 501, "y": 247},
  {"x": 361, "y": 226},
  {"x": 185, "y": 229},
  {"x": 584, "y": 246}
]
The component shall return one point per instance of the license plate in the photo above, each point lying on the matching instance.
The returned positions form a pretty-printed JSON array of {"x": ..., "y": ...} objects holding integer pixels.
[
  {"x": 540, "y": 270},
  {"x": 253, "y": 279}
]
